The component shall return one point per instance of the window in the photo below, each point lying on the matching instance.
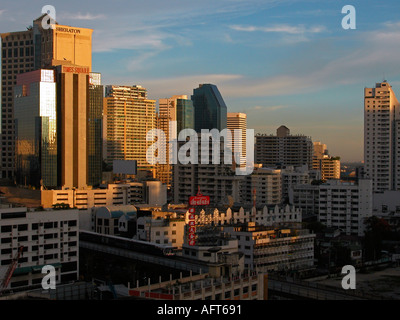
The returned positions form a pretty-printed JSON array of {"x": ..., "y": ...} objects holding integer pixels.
[
  {"x": 22, "y": 227},
  {"x": 6, "y": 228}
]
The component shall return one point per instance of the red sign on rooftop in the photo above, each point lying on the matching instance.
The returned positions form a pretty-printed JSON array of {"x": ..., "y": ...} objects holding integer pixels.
[{"x": 199, "y": 200}]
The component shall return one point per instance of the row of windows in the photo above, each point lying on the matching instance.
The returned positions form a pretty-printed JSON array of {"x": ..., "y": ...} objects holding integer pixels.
[
  {"x": 16, "y": 43},
  {"x": 35, "y": 226},
  {"x": 17, "y": 53},
  {"x": 36, "y": 237}
]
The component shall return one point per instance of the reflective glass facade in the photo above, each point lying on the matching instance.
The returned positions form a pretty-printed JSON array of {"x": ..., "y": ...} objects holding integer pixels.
[
  {"x": 95, "y": 138},
  {"x": 184, "y": 114},
  {"x": 209, "y": 107},
  {"x": 36, "y": 129}
]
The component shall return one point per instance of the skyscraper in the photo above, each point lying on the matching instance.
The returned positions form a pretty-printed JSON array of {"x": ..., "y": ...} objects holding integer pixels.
[
  {"x": 95, "y": 136},
  {"x": 180, "y": 109},
  {"x": 283, "y": 149},
  {"x": 210, "y": 111},
  {"x": 67, "y": 49},
  {"x": 17, "y": 57},
  {"x": 128, "y": 116},
  {"x": 381, "y": 137},
  {"x": 235, "y": 121},
  {"x": 36, "y": 129}
]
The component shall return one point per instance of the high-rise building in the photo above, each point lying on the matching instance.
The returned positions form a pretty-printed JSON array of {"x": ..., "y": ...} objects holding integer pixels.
[
  {"x": 218, "y": 181},
  {"x": 95, "y": 133},
  {"x": 381, "y": 137},
  {"x": 17, "y": 57},
  {"x": 35, "y": 116},
  {"x": 283, "y": 149},
  {"x": 322, "y": 161},
  {"x": 337, "y": 204},
  {"x": 128, "y": 116},
  {"x": 238, "y": 121},
  {"x": 210, "y": 111},
  {"x": 32, "y": 49},
  {"x": 177, "y": 108}
]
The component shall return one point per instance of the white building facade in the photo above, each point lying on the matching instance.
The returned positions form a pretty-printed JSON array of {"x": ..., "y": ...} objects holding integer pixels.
[{"x": 47, "y": 237}]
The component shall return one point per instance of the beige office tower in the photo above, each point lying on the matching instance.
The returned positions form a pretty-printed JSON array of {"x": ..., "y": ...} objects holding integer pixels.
[
  {"x": 327, "y": 165},
  {"x": 73, "y": 84},
  {"x": 236, "y": 120},
  {"x": 128, "y": 117},
  {"x": 36, "y": 48},
  {"x": 381, "y": 137}
]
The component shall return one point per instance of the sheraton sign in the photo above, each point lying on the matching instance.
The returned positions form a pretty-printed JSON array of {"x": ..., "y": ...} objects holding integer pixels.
[{"x": 68, "y": 30}]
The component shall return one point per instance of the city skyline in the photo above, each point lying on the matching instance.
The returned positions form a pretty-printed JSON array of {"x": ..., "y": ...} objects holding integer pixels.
[{"x": 288, "y": 63}]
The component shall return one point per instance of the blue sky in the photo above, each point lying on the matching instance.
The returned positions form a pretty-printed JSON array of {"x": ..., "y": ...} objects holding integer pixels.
[{"x": 282, "y": 62}]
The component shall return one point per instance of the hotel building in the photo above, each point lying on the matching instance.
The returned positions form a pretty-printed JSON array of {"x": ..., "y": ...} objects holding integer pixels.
[{"x": 30, "y": 50}]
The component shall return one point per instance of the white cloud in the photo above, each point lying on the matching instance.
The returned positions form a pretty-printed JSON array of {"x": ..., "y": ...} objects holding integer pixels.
[
  {"x": 265, "y": 108},
  {"x": 282, "y": 28},
  {"x": 81, "y": 16}
]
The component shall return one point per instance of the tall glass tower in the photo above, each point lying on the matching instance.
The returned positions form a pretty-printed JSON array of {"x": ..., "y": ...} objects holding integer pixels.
[
  {"x": 95, "y": 130},
  {"x": 210, "y": 110},
  {"x": 36, "y": 129}
]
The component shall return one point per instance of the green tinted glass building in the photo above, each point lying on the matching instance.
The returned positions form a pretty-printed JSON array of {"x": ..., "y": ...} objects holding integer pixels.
[
  {"x": 210, "y": 111},
  {"x": 184, "y": 114}
]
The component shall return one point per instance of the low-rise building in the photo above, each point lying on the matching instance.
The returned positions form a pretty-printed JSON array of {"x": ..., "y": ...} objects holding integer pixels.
[
  {"x": 127, "y": 193},
  {"x": 270, "y": 249},
  {"x": 162, "y": 228},
  {"x": 46, "y": 238},
  {"x": 243, "y": 286}
]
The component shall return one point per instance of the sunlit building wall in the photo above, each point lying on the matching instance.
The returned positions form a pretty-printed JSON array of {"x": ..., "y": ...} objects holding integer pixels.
[
  {"x": 180, "y": 109},
  {"x": 129, "y": 116},
  {"x": 36, "y": 129},
  {"x": 30, "y": 50},
  {"x": 327, "y": 165},
  {"x": 381, "y": 137},
  {"x": 238, "y": 121}
]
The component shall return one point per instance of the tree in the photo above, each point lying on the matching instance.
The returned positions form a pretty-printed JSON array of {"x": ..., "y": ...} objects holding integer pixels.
[
  {"x": 61, "y": 206},
  {"x": 377, "y": 230}
]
